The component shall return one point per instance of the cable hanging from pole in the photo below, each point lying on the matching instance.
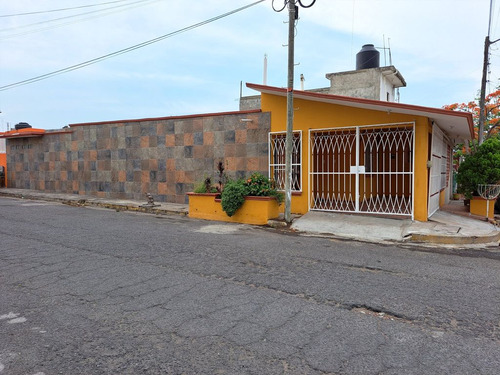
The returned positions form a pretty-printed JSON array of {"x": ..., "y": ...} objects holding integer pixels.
[{"x": 285, "y": 3}]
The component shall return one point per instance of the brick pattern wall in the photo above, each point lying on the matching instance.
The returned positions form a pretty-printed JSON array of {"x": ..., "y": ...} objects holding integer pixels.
[{"x": 125, "y": 160}]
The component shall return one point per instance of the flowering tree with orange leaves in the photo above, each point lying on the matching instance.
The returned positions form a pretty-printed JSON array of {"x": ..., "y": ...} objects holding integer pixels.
[{"x": 492, "y": 118}]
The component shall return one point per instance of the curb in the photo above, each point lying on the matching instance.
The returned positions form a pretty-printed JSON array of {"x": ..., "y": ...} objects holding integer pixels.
[
  {"x": 95, "y": 203},
  {"x": 449, "y": 240}
]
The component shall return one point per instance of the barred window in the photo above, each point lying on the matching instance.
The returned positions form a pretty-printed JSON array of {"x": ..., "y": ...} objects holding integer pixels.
[{"x": 277, "y": 145}]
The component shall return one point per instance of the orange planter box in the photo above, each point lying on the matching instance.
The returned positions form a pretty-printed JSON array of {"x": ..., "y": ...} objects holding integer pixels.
[
  {"x": 255, "y": 210},
  {"x": 478, "y": 206}
]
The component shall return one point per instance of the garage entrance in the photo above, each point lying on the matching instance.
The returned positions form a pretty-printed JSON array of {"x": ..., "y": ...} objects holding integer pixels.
[{"x": 363, "y": 169}]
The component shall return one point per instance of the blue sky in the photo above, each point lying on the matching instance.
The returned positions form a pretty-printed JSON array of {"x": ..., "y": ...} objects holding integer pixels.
[{"x": 436, "y": 45}]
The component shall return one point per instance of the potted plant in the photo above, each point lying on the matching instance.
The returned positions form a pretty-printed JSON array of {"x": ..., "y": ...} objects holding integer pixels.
[{"x": 253, "y": 200}]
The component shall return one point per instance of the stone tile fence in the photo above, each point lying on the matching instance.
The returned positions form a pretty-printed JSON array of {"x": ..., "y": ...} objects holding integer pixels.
[{"x": 127, "y": 159}]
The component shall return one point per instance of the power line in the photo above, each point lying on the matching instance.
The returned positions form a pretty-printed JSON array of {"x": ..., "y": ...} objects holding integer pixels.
[
  {"x": 125, "y": 50},
  {"x": 60, "y": 10},
  {"x": 106, "y": 11}
]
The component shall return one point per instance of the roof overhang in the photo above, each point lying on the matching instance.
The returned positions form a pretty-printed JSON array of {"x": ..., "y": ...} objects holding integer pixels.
[
  {"x": 23, "y": 133},
  {"x": 459, "y": 126}
]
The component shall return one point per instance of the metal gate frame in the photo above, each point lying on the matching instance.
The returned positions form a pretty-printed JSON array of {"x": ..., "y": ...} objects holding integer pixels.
[
  {"x": 355, "y": 201},
  {"x": 437, "y": 173}
]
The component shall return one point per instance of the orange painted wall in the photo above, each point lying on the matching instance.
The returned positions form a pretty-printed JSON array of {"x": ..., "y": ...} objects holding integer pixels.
[
  {"x": 3, "y": 162},
  {"x": 317, "y": 115}
]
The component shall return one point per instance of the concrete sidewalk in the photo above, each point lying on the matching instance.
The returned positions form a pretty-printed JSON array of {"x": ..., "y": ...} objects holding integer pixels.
[
  {"x": 446, "y": 227},
  {"x": 85, "y": 200},
  {"x": 443, "y": 228}
]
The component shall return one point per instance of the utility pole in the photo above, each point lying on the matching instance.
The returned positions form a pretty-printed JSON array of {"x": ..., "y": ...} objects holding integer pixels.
[
  {"x": 292, "y": 17},
  {"x": 289, "y": 106},
  {"x": 482, "y": 95}
]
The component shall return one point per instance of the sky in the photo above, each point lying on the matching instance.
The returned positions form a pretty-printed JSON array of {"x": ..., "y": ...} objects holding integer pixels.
[{"x": 436, "y": 45}]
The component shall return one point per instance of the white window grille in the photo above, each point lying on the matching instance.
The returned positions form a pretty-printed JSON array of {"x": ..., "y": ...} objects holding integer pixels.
[{"x": 277, "y": 156}]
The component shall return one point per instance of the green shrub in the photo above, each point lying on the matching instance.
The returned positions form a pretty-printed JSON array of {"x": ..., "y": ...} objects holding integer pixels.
[
  {"x": 233, "y": 196},
  {"x": 259, "y": 185},
  {"x": 480, "y": 167}
]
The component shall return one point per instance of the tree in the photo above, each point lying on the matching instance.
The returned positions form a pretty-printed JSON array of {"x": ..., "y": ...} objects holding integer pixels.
[
  {"x": 480, "y": 167},
  {"x": 492, "y": 119}
]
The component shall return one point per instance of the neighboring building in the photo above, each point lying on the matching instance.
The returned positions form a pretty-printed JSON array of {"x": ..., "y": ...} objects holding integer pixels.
[
  {"x": 368, "y": 81},
  {"x": 3, "y": 162}
]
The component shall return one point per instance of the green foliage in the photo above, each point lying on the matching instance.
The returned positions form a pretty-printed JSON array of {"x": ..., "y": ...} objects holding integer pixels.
[
  {"x": 259, "y": 185},
  {"x": 480, "y": 167},
  {"x": 233, "y": 195},
  {"x": 205, "y": 187}
]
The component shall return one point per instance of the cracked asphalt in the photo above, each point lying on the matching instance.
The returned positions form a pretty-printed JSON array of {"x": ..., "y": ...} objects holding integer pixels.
[{"x": 92, "y": 291}]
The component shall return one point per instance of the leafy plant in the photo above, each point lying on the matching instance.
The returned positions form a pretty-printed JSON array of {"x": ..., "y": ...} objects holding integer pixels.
[
  {"x": 221, "y": 176},
  {"x": 233, "y": 197},
  {"x": 480, "y": 167},
  {"x": 205, "y": 187},
  {"x": 259, "y": 185}
]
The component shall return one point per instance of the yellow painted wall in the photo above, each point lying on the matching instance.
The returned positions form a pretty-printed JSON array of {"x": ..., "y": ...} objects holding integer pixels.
[
  {"x": 317, "y": 115},
  {"x": 480, "y": 206},
  {"x": 255, "y": 210}
]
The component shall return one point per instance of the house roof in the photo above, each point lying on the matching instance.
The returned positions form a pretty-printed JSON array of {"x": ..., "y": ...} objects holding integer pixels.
[
  {"x": 23, "y": 133},
  {"x": 457, "y": 125}
]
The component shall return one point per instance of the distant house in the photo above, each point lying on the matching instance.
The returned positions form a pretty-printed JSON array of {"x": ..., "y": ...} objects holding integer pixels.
[
  {"x": 356, "y": 149},
  {"x": 3, "y": 162}
]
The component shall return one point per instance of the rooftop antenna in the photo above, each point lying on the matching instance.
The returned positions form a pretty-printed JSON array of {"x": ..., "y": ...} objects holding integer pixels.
[
  {"x": 264, "y": 80},
  {"x": 388, "y": 48},
  {"x": 385, "y": 57}
]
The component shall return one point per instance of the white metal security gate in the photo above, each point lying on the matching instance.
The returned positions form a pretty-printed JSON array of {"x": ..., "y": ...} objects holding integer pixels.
[{"x": 365, "y": 169}]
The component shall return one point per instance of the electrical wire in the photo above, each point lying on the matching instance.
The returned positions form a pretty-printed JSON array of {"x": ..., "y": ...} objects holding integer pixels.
[
  {"x": 286, "y": 2},
  {"x": 306, "y": 6},
  {"x": 279, "y": 10},
  {"x": 107, "y": 11},
  {"x": 60, "y": 10},
  {"x": 125, "y": 50}
]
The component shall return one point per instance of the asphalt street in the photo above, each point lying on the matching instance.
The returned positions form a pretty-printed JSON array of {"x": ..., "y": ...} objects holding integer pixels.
[{"x": 95, "y": 291}]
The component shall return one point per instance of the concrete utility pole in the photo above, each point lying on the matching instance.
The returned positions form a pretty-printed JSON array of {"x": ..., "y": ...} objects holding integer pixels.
[
  {"x": 289, "y": 105},
  {"x": 293, "y": 10},
  {"x": 482, "y": 95}
]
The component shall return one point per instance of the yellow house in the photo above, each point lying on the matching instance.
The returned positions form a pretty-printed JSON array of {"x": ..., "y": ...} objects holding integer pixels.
[{"x": 364, "y": 156}]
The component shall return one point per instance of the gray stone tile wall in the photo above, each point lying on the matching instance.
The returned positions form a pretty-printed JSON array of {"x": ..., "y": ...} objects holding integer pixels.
[{"x": 164, "y": 157}]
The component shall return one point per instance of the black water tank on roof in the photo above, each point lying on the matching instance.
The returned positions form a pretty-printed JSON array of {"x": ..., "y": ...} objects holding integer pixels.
[
  {"x": 368, "y": 57},
  {"x": 22, "y": 125}
]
